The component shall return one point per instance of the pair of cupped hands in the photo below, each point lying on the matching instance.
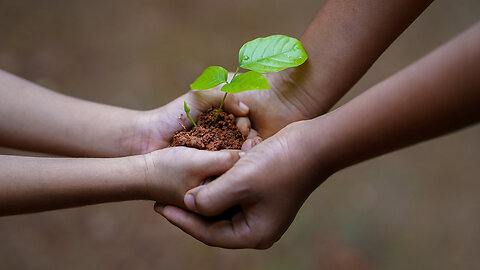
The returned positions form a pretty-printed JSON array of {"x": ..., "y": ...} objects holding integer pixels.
[{"x": 268, "y": 180}]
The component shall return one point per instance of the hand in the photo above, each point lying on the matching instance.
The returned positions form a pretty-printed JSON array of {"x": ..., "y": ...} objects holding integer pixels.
[
  {"x": 152, "y": 130},
  {"x": 285, "y": 103},
  {"x": 270, "y": 183},
  {"x": 171, "y": 172}
]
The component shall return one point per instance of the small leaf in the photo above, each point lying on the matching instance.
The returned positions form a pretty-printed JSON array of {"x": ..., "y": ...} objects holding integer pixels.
[
  {"x": 211, "y": 77},
  {"x": 186, "y": 108},
  {"x": 251, "y": 80},
  {"x": 272, "y": 54}
]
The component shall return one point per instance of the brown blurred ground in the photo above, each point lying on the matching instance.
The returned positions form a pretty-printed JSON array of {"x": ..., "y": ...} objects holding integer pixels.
[{"x": 418, "y": 208}]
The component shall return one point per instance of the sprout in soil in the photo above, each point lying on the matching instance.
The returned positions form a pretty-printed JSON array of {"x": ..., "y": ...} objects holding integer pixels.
[
  {"x": 187, "y": 111},
  {"x": 261, "y": 55}
]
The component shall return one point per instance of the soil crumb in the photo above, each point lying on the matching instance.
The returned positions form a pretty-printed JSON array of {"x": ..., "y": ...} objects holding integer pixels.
[{"x": 205, "y": 136}]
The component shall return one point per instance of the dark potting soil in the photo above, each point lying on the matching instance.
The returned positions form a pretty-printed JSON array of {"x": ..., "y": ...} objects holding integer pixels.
[{"x": 205, "y": 136}]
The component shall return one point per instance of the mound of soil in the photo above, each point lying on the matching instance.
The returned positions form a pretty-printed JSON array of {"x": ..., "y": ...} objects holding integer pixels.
[{"x": 205, "y": 136}]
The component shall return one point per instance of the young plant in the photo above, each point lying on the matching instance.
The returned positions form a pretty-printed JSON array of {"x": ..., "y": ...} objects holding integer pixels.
[
  {"x": 261, "y": 55},
  {"x": 187, "y": 111}
]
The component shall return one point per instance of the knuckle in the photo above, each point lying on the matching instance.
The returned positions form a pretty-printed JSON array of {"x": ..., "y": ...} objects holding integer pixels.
[
  {"x": 203, "y": 203},
  {"x": 264, "y": 239},
  {"x": 228, "y": 158},
  {"x": 243, "y": 189},
  {"x": 265, "y": 243}
]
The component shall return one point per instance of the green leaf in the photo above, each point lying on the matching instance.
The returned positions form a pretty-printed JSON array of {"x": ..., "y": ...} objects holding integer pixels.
[
  {"x": 211, "y": 77},
  {"x": 251, "y": 80},
  {"x": 186, "y": 108},
  {"x": 271, "y": 54}
]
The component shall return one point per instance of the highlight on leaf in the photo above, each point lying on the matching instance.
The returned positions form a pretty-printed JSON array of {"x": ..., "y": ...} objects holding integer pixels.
[{"x": 272, "y": 54}]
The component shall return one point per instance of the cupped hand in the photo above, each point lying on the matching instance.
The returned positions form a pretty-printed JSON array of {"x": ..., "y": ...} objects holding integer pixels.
[
  {"x": 270, "y": 183},
  {"x": 152, "y": 130},
  {"x": 285, "y": 102},
  {"x": 171, "y": 172}
]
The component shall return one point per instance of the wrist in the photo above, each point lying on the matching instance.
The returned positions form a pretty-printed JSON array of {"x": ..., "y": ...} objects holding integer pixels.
[
  {"x": 298, "y": 88},
  {"x": 329, "y": 147},
  {"x": 135, "y": 173},
  {"x": 317, "y": 149},
  {"x": 130, "y": 133},
  {"x": 107, "y": 131}
]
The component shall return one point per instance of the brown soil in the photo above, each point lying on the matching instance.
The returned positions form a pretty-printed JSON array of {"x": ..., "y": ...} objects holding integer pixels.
[{"x": 205, "y": 136}]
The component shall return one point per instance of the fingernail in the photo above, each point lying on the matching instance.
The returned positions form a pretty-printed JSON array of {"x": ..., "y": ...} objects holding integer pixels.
[
  {"x": 243, "y": 107},
  {"x": 190, "y": 201},
  {"x": 241, "y": 154},
  {"x": 158, "y": 208}
]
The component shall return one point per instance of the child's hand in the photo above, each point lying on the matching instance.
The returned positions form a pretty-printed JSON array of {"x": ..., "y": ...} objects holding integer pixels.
[
  {"x": 171, "y": 172},
  {"x": 153, "y": 130}
]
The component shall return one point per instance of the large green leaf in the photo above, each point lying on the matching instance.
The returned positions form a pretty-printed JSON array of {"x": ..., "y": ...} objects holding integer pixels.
[
  {"x": 272, "y": 54},
  {"x": 211, "y": 77},
  {"x": 251, "y": 80}
]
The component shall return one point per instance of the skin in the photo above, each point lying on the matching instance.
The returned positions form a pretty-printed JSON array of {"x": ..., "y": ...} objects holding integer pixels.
[
  {"x": 30, "y": 184},
  {"x": 436, "y": 95},
  {"x": 38, "y": 119},
  {"x": 45, "y": 121},
  {"x": 346, "y": 37},
  {"x": 342, "y": 42}
]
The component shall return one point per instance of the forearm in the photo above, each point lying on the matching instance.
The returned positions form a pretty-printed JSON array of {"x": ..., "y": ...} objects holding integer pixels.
[
  {"x": 38, "y": 184},
  {"x": 342, "y": 42},
  {"x": 37, "y": 119},
  {"x": 438, "y": 94}
]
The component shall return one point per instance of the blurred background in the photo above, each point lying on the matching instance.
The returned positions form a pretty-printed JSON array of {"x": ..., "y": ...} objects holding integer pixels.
[{"x": 417, "y": 208}]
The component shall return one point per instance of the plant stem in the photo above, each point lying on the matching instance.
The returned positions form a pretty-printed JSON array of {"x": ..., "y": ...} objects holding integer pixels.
[
  {"x": 225, "y": 96},
  {"x": 219, "y": 109},
  {"x": 235, "y": 74},
  {"x": 191, "y": 119}
]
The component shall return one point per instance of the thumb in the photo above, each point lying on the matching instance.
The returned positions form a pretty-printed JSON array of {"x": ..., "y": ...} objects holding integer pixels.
[
  {"x": 214, "y": 198},
  {"x": 235, "y": 106}
]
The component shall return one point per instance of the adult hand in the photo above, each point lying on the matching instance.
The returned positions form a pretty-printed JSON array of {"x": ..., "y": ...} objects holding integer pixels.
[
  {"x": 285, "y": 103},
  {"x": 270, "y": 183}
]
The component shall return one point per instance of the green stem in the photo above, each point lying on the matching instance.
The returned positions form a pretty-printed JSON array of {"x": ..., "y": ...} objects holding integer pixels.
[
  {"x": 219, "y": 109},
  {"x": 191, "y": 119},
  {"x": 225, "y": 96},
  {"x": 235, "y": 74}
]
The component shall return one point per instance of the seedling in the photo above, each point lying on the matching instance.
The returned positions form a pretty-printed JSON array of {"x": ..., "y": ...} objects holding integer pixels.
[
  {"x": 187, "y": 111},
  {"x": 261, "y": 55}
]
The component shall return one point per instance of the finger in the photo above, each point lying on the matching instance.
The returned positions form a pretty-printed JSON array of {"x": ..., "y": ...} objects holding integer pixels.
[
  {"x": 234, "y": 105},
  {"x": 214, "y": 163},
  {"x": 216, "y": 197},
  {"x": 250, "y": 143},
  {"x": 206, "y": 181},
  {"x": 223, "y": 233},
  {"x": 252, "y": 134},
  {"x": 243, "y": 125},
  {"x": 158, "y": 207}
]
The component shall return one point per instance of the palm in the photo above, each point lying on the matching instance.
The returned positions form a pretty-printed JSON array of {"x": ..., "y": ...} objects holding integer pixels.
[{"x": 154, "y": 129}]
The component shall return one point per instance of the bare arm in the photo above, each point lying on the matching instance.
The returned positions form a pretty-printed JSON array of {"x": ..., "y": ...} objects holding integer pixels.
[
  {"x": 438, "y": 94},
  {"x": 37, "y": 119},
  {"x": 30, "y": 184}
]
